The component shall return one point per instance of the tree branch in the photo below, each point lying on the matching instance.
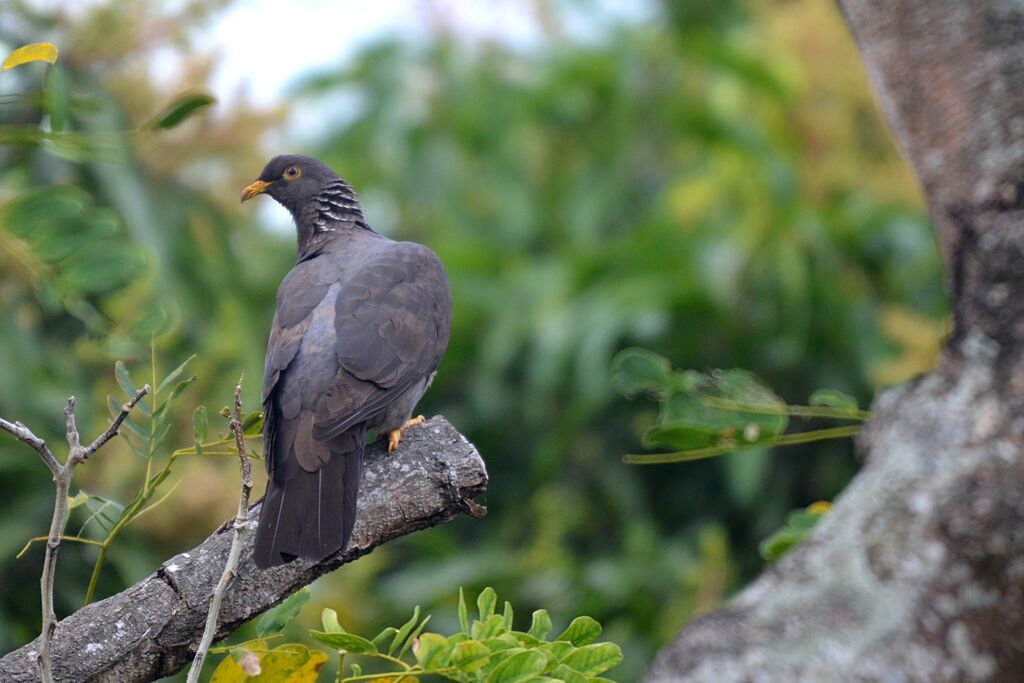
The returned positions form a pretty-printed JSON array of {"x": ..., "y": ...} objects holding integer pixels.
[
  {"x": 152, "y": 629},
  {"x": 239, "y": 533},
  {"x": 23, "y": 433},
  {"x": 917, "y": 574}
]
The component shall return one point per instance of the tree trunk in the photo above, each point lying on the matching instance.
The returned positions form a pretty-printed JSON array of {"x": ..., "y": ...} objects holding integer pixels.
[
  {"x": 151, "y": 630},
  {"x": 917, "y": 574}
]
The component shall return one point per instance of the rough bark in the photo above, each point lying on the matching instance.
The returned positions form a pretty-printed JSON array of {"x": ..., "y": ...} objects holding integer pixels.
[
  {"x": 917, "y": 574},
  {"x": 152, "y": 629}
]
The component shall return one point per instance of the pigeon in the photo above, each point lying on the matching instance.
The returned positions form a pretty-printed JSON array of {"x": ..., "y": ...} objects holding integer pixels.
[{"x": 360, "y": 327}]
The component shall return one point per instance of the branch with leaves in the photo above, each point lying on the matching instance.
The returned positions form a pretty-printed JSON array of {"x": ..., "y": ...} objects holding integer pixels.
[
  {"x": 704, "y": 415},
  {"x": 62, "y": 474}
]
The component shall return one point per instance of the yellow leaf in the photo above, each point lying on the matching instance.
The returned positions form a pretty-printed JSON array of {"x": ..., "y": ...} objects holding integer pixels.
[
  {"x": 35, "y": 52},
  {"x": 310, "y": 670}
]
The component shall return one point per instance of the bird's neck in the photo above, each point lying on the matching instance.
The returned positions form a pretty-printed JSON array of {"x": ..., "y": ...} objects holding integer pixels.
[{"x": 331, "y": 214}]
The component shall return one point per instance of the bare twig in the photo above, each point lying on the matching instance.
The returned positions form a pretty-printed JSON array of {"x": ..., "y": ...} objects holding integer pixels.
[
  {"x": 23, "y": 433},
  {"x": 62, "y": 483},
  {"x": 240, "y": 529}
]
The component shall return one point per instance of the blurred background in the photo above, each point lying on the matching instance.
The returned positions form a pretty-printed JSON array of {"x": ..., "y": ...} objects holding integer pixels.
[{"x": 712, "y": 181}]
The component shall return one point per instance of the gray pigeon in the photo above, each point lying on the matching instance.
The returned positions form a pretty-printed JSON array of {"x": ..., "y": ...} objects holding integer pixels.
[{"x": 360, "y": 327}]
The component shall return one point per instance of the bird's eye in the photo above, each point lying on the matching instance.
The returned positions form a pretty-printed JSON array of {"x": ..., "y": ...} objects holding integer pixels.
[{"x": 292, "y": 172}]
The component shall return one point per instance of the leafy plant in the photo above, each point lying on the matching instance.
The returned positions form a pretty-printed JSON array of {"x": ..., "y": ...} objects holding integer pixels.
[
  {"x": 485, "y": 649},
  {"x": 146, "y": 439},
  {"x": 703, "y": 415}
]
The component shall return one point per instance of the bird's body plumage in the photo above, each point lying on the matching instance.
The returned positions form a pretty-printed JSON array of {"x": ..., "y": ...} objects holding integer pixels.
[{"x": 360, "y": 326}]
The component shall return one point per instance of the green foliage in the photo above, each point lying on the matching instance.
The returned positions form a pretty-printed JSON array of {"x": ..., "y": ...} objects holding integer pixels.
[
  {"x": 486, "y": 649},
  {"x": 183, "y": 106},
  {"x": 706, "y": 415},
  {"x": 799, "y": 524}
]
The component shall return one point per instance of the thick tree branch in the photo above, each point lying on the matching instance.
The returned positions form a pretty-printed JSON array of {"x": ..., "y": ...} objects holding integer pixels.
[
  {"x": 153, "y": 628},
  {"x": 917, "y": 574}
]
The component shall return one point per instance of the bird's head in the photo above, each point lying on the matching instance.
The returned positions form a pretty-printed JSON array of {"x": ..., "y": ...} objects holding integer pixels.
[{"x": 292, "y": 180}]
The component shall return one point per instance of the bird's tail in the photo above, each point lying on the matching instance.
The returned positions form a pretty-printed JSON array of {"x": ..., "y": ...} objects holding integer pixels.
[{"x": 310, "y": 514}]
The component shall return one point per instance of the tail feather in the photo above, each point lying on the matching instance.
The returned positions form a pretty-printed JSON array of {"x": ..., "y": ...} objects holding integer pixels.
[{"x": 311, "y": 514}]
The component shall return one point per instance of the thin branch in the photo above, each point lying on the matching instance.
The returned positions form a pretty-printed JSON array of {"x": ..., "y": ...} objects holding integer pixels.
[
  {"x": 23, "y": 433},
  {"x": 115, "y": 426},
  {"x": 240, "y": 529},
  {"x": 62, "y": 484}
]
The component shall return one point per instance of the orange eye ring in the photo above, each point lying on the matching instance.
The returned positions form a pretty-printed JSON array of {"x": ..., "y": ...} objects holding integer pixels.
[{"x": 292, "y": 173}]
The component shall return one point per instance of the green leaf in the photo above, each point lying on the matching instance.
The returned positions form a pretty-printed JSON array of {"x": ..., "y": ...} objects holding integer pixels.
[
  {"x": 404, "y": 631},
  {"x": 135, "y": 428},
  {"x": 463, "y": 612},
  {"x": 694, "y": 419},
  {"x": 556, "y": 651},
  {"x": 581, "y": 631},
  {"x": 413, "y": 636},
  {"x": 519, "y": 668},
  {"x": 540, "y": 626},
  {"x": 80, "y": 499},
  {"x": 507, "y": 616},
  {"x": 176, "y": 392},
  {"x": 201, "y": 425},
  {"x": 329, "y": 618},
  {"x": 275, "y": 619},
  {"x": 101, "y": 267},
  {"x": 123, "y": 380},
  {"x": 798, "y": 526},
  {"x": 56, "y": 98},
  {"x": 33, "y": 52},
  {"x": 380, "y": 638},
  {"x": 485, "y": 603},
  {"x": 470, "y": 655},
  {"x": 591, "y": 660},
  {"x": 349, "y": 642},
  {"x": 833, "y": 398},
  {"x": 567, "y": 675},
  {"x": 432, "y": 651},
  {"x": 636, "y": 370},
  {"x": 252, "y": 424},
  {"x": 488, "y": 629},
  {"x": 181, "y": 108},
  {"x": 174, "y": 374}
]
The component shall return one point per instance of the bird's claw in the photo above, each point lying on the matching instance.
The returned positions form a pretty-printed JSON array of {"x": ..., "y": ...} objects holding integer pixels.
[{"x": 395, "y": 435}]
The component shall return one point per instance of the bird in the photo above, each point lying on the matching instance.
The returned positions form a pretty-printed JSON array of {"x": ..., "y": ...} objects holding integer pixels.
[{"x": 360, "y": 326}]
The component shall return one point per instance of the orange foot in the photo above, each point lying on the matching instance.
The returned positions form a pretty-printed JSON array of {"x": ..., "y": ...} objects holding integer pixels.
[{"x": 395, "y": 435}]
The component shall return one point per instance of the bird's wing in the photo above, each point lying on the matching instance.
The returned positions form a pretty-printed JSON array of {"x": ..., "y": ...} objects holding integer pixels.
[{"x": 392, "y": 321}]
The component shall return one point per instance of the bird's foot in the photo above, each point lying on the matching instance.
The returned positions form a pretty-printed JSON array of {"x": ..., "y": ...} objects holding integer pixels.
[{"x": 395, "y": 435}]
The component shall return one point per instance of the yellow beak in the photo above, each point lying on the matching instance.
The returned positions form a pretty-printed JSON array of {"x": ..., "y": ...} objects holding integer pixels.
[{"x": 258, "y": 187}]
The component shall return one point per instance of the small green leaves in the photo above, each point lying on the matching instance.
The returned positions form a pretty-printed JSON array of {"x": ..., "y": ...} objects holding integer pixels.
[
  {"x": 485, "y": 603},
  {"x": 518, "y": 668},
  {"x": 581, "y": 631},
  {"x": 704, "y": 415},
  {"x": 432, "y": 650},
  {"x": 183, "y": 106},
  {"x": 541, "y": 625},
  {"x": 34, "y": 52},
  {"x": 486, "y": 650},
  {"x": 275, "y": 619},
  {"x": 798, "y": 525},
  {"x": 201, "y": 426},
  {"x": 591, "y": 660},
  {"x": 470, "y": 655},
  {"x": 349, "y": 642},
  {"x": 123, "y": 380},
  {"x": 637, "y": 370}
]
